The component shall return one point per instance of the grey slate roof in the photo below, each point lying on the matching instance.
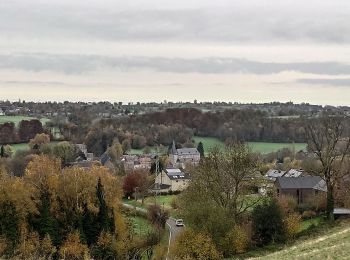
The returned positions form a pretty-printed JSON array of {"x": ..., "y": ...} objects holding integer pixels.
[
  {"x": 307, "y": 182},
  {"x": 176, "y": 174},
  {"x": 273, "y": 174},
  {"x": 183, "y": 151}
]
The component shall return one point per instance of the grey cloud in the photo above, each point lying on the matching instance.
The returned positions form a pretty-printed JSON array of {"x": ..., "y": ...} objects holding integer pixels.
[
  {"x": 77, "y": 64},
  {"x": 233, "y": 23},
  {"x": 345, "y": 82}
]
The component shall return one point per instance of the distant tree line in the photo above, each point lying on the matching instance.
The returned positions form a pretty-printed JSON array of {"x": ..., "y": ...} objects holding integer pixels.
[{"x": 26, "y": 130}]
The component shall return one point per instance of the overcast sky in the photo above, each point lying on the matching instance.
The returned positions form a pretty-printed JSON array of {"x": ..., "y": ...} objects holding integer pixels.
[{"x": 179, "y": 50}]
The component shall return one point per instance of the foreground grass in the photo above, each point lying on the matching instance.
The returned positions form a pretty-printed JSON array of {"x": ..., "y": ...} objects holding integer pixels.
[
  {"x": 326, "y": 243},
  {"x": 260, "y": 147}
]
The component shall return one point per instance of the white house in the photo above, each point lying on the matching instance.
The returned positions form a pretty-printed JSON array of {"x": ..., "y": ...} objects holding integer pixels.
[{"x": 172, "y": 179}]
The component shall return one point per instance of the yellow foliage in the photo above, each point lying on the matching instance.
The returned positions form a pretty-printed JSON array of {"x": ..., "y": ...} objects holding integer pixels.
[
  {"x": 73, "y": 249},
  {"x": 237, "y": 240},
  {"x": 39, "y": 140},
  {"x": 192, "y": 245},
  {"x": 292, "y": 225}
]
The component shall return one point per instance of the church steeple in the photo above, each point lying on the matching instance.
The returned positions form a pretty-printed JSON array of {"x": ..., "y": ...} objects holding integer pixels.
[{"x": 173, "y": 148}]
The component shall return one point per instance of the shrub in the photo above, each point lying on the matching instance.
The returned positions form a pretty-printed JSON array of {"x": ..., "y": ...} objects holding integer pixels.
[
  {"x": 304, "y": 207},
  {"x": 288, "y": 204},
  {"x": 318, "y": 202},
  {"x": 237, "y": 240},
  {"x": 174, "y": 203},
  {"x": 268, "y": 223},
  {"x": 157, "y": 216},
  {"x": 292, "y": 225},
  {"x": 192, "y": 245},
  {"x": 309, "y": 214}
]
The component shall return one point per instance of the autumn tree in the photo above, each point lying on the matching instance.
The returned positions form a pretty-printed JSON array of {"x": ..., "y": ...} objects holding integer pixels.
[
  {"x": 192, "y": 245},
  {"x": 73, "y": 249},
  {"x": 330, "y": 144},
  {"x": 38, "y": 141},
  {"x": 126, "y": 145},
  {"x": 66, "y": 151}
]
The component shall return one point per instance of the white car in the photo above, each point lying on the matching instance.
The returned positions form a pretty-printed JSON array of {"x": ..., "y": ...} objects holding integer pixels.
[{"x": 179, "y": 223}]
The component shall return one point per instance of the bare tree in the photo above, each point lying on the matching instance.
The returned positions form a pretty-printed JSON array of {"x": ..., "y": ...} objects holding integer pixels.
[
  {"x": 226, "y": 177},
  {"x": 328, "y": 139}
]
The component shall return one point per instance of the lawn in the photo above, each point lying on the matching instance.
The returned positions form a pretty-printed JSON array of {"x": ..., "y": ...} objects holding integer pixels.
[
  {"x": 17, "y": 119},
  {"x": 141, "y": 226},
  {"x": 166, "y": 199},
  {"x": 332, "y": 243},
  {"x": 261, "y": 147},
  {"x": 306, "y": 224},
  {"x": 23, "y": 146}
]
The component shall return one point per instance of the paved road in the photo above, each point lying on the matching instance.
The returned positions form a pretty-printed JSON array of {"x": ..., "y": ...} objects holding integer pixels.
[{"x": 174, "y": 232}]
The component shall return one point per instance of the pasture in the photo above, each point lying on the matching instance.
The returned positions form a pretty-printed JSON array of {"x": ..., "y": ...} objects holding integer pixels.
[{"x": 259, "y": 147}]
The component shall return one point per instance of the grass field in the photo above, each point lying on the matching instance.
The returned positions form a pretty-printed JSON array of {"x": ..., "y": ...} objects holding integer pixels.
[
  {"x": 141, "y": 226},
  {"x": 260, "y": 147},
  {"x": 166, "y": 199},
  {"x": 306, "y": 224},
  {"x": 332, "y": 243},
  {"x": 23, "y": 146},
  {"x": 17, "y": 119}
]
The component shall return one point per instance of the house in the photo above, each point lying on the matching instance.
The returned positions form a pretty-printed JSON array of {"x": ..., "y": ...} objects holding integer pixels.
[
  {"x": 273, "y": 174},
  {"x": 300, "y": 188},
  {"x": 293, "y": 173},
  {"x": 1, "y": 112},
  {"x": 172, "y": 179},
  {"x": 181, "y": 157},
  {"x": 134, "y": 162}
]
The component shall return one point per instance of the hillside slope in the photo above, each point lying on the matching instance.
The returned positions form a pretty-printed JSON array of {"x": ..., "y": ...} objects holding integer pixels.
[{"x": 335, "y": 245}]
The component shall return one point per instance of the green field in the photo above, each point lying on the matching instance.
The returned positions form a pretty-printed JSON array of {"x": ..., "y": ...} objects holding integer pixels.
[
  {"x": 23, "y": 146},
  {"x": 166, "y": 199},
  {"x": 260, "y": 147},
  {"x": 333, "y": 243},
  {"x": 141, "y": 226},
  {"x": 17, "y": 119}
]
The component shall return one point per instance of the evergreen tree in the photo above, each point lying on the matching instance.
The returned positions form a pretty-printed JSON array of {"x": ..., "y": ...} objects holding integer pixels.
[
  {"x": 9, "y": 222},
  {"x": 2, "y": 151},
  {"x": 268, "y": 223},
  {"x": 47, "y": 224},
  {"x": 102, "y": 217},
  {"x": 200, "y": 149},
  {"x": 89, "y": 227}
]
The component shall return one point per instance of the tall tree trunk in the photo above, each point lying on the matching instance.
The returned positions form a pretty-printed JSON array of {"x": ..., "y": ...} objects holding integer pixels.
[{"x": 330, "y": 202}]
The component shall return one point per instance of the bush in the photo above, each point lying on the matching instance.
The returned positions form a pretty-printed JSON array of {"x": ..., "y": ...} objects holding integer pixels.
[
  {"x": 304, "y": 207},
  {"x": 174, "y": 203},
  {"x": 193, "y": 245},
  {"x": 292, "y": 225},
  {"x": 237, "y": 240},
  {"x": 288, "y": 204},
  {"x": 157, "y": 216},
  {"x": 268, "y": 223},
  {"x": 318, "y": 202},
  {"x": 307, "y": 214}
]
